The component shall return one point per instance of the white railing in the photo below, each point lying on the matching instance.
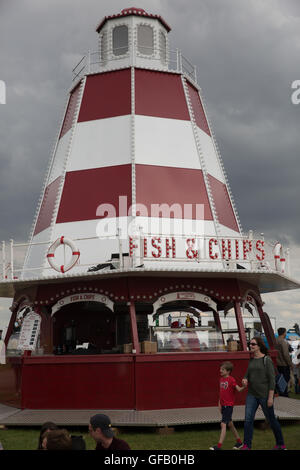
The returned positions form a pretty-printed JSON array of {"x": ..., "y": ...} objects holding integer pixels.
[
  {"x": 154, "y": 250},
  {"x": 174, "y": 61}
]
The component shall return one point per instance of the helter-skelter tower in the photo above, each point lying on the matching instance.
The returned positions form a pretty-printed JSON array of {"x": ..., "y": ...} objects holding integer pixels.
[
  {"x": 135, "y": 146},
  {"x": 136, "y": 240}
]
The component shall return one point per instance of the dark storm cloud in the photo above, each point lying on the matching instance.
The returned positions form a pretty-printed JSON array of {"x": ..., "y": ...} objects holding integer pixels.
[{"x": 246, "y": 54}]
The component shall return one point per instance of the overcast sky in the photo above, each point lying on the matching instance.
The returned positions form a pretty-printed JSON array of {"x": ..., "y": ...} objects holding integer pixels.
[{"x": 247, "y": 57}]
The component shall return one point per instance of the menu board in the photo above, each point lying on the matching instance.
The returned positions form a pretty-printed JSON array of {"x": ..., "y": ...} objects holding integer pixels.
[{"x": 29, "y": 332}]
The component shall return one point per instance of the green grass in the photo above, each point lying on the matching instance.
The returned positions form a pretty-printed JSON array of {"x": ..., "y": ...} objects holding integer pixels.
[{"x": 199, "y": 437}]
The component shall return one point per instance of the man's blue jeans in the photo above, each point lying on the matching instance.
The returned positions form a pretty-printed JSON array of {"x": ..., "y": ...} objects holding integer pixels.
[{"x": 252, "y": 403}]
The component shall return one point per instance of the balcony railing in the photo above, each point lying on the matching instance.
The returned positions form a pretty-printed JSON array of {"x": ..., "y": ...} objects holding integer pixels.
[
  {"x": 195, "y": 252},
  {"x": 172, "y": 60}
]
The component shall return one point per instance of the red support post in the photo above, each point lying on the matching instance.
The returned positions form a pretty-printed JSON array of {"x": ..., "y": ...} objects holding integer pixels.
[
  {"x": 267, "y": 326},
  {"x": 134, "y": 331},
  {"x": 218, "y": 323},
  {"x": 240, "y": 325}
]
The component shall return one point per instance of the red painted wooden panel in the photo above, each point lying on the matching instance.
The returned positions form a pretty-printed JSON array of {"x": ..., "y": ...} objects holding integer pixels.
[
  {"x": 160, "y": 94},
  {"x": 11, "y": 381},
  {"x": 78, "y": 383},
  {"x": 223, "y": 204},
  {"x": 47, "y": 207},
  {"x": 198, "y": 110},
  {"x": 170, "y": 185},
  {"x": 70, "y": 112},
  {"x": 85, "y": 190},
  {"x": 106, "y": 95},
  {"x": 184, "y": 380}
]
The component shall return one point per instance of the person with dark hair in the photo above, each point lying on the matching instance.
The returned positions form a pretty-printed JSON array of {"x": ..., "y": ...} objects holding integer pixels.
[
  {"x": 260, "y": 380},
  {"x": 284, "y": 360},
  {"x": 228, "y": 388},
  {"x": 101, "y": 431},
  {"x": 58, "y": 439},
  {"x": 48, "y": 426}
]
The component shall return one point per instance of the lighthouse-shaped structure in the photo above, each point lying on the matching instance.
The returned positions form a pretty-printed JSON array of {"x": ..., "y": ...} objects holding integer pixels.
[
  {"x": 135, "y": 155},
  {"x": 135, "y": 243}
]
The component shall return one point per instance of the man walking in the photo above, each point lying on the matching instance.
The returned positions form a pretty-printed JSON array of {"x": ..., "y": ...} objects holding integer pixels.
[{"x": 284, "y": 361}]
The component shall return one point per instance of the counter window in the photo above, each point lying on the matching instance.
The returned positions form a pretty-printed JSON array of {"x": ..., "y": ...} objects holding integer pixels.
[{"x": 178, "y": 332}]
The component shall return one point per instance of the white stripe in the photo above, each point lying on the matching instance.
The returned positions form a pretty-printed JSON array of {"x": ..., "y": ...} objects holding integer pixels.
[
  {"x": 211, "y": 161},
  {"x": 101, "y": 143},
  {"x": 60, "y": 157},
  {"x": 165, "y": 142}
]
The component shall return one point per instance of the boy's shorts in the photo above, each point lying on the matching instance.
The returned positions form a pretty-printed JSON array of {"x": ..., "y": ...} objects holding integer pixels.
[{"x": 227, "y": 414}]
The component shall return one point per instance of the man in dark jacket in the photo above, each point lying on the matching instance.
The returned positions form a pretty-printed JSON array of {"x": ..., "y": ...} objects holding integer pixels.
[{"x": 284, "y": 361}]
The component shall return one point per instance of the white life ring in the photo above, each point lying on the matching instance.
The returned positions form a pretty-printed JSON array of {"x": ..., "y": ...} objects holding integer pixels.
[
  {"x": 279, "y": 258},
  {"x": 73, "y": 260}
]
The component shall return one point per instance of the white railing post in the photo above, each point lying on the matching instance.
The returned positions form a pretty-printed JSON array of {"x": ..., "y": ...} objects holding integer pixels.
[
  {"x": 89, "y": 61},
  {"x": 12, "y": 258},
  {"x": 288, "y": 261},
  {"x": 195, "y": 74},
  {"x": 121, "y": 261},
  {"x": 3, "y": 260}
]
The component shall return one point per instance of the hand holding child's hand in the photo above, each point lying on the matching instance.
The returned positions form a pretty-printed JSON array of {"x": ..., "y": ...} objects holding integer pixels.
[{"x": 245, "y": 383}]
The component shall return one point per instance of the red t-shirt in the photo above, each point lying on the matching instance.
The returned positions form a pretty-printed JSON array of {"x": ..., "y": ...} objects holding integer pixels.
[{"x": 227, "y": 390}]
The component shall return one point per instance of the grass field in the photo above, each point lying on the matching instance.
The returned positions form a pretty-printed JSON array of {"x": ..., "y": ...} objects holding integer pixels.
[{"x": 199, "y": 437}]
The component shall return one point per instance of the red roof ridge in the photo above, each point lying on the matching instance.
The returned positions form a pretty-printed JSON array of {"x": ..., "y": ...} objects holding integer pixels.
[{"x": 133, "y": 11}]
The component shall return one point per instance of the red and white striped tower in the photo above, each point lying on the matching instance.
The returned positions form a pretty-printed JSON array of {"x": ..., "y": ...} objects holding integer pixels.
[
  {"x": 136, "y": 147},
  {"x": 135, "y": 169}
]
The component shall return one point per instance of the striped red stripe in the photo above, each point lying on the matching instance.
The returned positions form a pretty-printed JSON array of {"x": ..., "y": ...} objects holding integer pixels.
[
  {"x": 85, "y": 190},
  {"x": 170, "y": 185},
  {"x": 47, "y": 207},
  {"x": 70, "y": 112},
  {"x": 154, "y": 185},
  {"x": 223, "y": 205},
  {"x": 160, "y": 94},
  {"x": 106, "y": 95},
  {"x": 198, "y": 110}
]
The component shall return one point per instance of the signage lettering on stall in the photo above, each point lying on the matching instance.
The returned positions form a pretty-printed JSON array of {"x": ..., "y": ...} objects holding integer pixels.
[
  {"x": 209, "y": 248},
  {"x": 92, "y": 297}
]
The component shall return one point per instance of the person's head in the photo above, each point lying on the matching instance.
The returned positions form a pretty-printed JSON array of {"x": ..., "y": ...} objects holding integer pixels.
[
  {"x": 281, "y": 332},
  {"x": 47, "y": 426},
  {"x": 226, "y": 368},
  {"x": 58, "y": 439},
  {"x": 100, "y": 427},
  {"x": 257, "y": 344}
]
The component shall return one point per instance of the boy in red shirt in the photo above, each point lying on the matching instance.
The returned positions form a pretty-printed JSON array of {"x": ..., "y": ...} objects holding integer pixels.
[{"x": 228, "y": 387}]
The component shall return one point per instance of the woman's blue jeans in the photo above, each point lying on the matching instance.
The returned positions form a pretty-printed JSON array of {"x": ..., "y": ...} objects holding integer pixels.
[{"x": 252, "y": 403}]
